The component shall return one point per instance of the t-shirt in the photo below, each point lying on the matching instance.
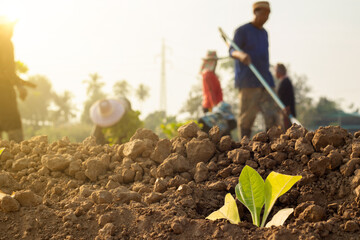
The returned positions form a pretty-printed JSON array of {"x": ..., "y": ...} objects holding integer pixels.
[
  {"x": 212, "y": 93},
  {"x": 254, "y": 42},
  {"x": 286, "y": 94}
]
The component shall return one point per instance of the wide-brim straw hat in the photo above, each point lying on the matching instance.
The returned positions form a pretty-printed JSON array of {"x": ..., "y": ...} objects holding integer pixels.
[
  {"x": 106, "y": 112},
  {"x": 211, "y": 55}
]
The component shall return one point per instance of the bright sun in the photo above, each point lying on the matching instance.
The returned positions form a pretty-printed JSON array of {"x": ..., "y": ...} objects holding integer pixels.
[{"x": 12, "y": 10}]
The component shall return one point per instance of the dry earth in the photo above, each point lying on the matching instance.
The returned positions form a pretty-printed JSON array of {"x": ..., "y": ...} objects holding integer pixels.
[{"x": 151, "y": 188}]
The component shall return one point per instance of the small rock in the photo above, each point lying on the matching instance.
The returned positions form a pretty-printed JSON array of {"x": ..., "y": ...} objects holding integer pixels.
[
  {"x": 215, "y": 134},
  {"x": 162, "y": 150},
  {"x": 319, "y": 166},
  {"x": 201, "y": 172},
  {"x": 217, "y": 186},
  {"x": 55, "y": 162},
  {"x": 200, "y": 150},
  {"x": 108, "y": 230},
  {"x": 102, "y": 196},
  {"x": 177, "y": 227},
  {"x": 153, "y": 197},
  {"x": 303, "y": 146},
  {"x": 261, "y": 137},
  {"x": 160, "y": 185},
  {"x": 239, "y": 156},
  {"x": 351, "y": 226},
  {"x": 27, "y": 198},
  {"x": 188, "y": 130},
  {"x": 335, "y": 159},
  {"x": 94, "y": 168},
  {"x": 225, "y": 143},
  {"x": 313, "y": 213},
  {"x": 8, "y": 203}
]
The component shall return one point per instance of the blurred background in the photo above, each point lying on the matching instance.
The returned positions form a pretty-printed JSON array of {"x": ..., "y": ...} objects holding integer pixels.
[{"x": 151, "y": 50}]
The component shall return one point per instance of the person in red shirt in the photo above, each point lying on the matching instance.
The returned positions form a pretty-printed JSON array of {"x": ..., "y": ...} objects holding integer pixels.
[{"x": 212, "y": 92}]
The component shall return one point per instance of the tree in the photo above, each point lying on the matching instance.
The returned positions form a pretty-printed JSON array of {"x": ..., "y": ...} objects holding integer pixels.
[
  {"x": 142, "y": 92},
  {"x": 94, "y": 93},
  {"x": 94, "y": 85},
  {"x": 21, "y": 68},
  {"x": 34, "y": 110},
  {"x": 154, "y": 120},
  {"x": 122, "y": 88},
  {"x": 65, "y": 109},
  {"x": 193, "y": 105}
]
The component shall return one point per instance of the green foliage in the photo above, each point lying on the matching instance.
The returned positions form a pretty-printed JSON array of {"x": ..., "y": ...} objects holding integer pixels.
[
  {"x": 64, "y": 108},
  {"x": 21, "y": 68},
  {"x": 122, "y": 131},
  {"x": 276, "y": 184},
  {"x": 1, "y": 150},
  {"x": 253, "y": 192},
  {"x": 94, "y": 93},
  {"x": 154, "y": 120},
  {"x": 75, "y": 132},
  {"x": 170, "y": 129},
  {"x": 229, "y": 211},
  {"x": 250, "y": 192},
  {"x": 193, "y": 104},
  {"x": 142, "y": 92},
  {"x": 34, "y": 110},
  {"x": 122, "y": 89}
]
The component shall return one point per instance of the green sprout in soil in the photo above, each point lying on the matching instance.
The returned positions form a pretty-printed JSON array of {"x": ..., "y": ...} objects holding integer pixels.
[
  {"x": 1, "y": 150},
  {"x": 254, "y": 193}
]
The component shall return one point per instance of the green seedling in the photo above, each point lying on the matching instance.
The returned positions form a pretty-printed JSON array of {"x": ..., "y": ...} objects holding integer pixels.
[
  {"x": 254, "y": 193},
  {"x": 229, "y": 211},
  {"x": 1, "y": 150},
  {"x": 250, "y": 192}
]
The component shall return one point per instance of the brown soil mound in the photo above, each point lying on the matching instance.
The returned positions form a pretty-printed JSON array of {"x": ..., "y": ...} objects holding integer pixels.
[{"x": 151, "y": 188}]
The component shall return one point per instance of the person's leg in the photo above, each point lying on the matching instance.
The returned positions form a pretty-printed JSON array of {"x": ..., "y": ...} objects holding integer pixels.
[
  {"x": 98, "y": 134},
  {"x": 16, "y": 135},
  {"x": 269, "y": 109},
  {"x": 248, "y": 110}
]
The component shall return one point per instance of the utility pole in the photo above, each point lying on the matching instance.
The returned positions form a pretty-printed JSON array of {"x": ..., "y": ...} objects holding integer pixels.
[{"x": 163, "y": 78}]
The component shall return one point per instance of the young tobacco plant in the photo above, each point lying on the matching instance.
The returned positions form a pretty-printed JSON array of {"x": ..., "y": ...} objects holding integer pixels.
[
  {"x": 1, "y": 150},
  {"x": 253, "y": 192}
]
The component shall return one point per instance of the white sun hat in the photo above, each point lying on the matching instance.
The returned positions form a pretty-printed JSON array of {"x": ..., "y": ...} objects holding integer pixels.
[{"x": 106, "y": 112}]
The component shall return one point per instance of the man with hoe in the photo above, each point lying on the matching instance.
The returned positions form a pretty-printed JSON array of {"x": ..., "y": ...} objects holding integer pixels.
[
  {"x": 252, "y": 38},
  {"x": 10, "y": 121}
]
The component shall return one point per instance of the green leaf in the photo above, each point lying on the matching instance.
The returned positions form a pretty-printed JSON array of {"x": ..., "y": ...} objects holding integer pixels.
[
  {"x": 250, "y": 192},
  {"x": 1, "y": 150},
  {"x": 280, "y": 217},
  {"x": 276, "y": 184},
  {"x": 229, "y": 211}
]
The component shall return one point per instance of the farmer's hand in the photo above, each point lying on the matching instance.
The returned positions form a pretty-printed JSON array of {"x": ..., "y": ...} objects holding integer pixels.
[
  {"x": 286, "y": 111},
  {"x": 22, "y": 92},
  {"x": 242, "y": 57}
]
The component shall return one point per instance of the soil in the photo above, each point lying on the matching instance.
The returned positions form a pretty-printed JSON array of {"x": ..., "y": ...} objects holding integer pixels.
[{"x": 151, "y": 188}]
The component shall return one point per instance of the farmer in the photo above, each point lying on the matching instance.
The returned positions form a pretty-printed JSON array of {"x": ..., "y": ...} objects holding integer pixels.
[
  {"x": 10, "y": 121},
  {"x": 114, "y": 118},
  {"x": 252, "y": 38},
  {"x": 286, "y": 94},
  {"x": 212, "y": 93}
]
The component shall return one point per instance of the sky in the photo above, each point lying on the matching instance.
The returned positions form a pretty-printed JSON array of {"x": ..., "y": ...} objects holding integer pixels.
[{"x": 66, "y": 40}]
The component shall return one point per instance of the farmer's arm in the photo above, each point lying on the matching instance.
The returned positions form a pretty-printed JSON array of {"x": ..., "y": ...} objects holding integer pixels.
[{"x": 239, "y": 40}]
